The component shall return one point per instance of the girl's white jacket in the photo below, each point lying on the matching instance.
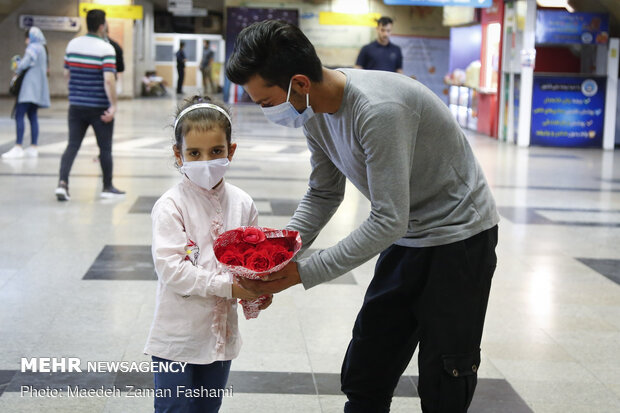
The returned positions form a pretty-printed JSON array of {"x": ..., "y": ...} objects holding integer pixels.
[{"x": 195, "y": 317}]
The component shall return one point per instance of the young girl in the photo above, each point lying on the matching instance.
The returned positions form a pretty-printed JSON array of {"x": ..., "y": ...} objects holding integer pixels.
[{"x": 196, "y": 312}]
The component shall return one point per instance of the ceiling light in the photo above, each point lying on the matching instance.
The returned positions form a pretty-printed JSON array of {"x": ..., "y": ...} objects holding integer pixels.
[{"x": 555, "y": 3}]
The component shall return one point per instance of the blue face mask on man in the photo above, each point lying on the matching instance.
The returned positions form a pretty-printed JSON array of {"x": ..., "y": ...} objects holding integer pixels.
[{"x": 285, "y": 113}]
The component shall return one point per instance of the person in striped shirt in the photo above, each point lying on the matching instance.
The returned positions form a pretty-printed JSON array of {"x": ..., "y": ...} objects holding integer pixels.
[{"x": 90, "y": 67}]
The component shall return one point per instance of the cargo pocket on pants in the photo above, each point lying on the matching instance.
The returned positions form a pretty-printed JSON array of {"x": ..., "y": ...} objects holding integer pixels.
[{"x": 458, "y": 381}]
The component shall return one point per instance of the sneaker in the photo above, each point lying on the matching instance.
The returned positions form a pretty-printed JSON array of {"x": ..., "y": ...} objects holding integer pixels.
[
  {"x": 31, "y": 152},
  {"x": 15, "y": 153},
  {"x": 62, "y": 192},
  {"x": 112, "y": 192}
]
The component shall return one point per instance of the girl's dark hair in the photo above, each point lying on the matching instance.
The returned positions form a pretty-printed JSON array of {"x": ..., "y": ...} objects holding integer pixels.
[
  {"x": 27, "y": 32},
  {"x": 275, "y": 50},
  {"x": 202, "y": 119}
]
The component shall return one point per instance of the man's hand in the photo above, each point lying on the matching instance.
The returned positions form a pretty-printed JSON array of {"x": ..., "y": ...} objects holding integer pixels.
[
  {"x": 239, "y": 292},
  {"x": 108, "y": 115},
  {"x": 273, "y": 283},
  {"x": 109, "y": 84}
]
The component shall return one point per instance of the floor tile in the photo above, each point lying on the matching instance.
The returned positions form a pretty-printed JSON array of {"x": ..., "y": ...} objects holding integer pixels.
[
  {"x": 123, "y": 262},
  {"x": 610, "y": 268}
]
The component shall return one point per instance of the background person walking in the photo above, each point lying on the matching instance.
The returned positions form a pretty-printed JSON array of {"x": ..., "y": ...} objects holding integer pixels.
[
  {"x": 206, "y": 68},
  {"x": 34, "y": 93},
  {"x": 381, "y": 54},
  {"x": 181, "y": 59},
  {"x": 120, "y": 61},
  {"x": 90, "y": 66}
]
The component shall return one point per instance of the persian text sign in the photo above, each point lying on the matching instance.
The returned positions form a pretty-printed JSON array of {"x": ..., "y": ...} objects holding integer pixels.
[
  {"x": 57, "y": 23},
  {"x": 568, "y": 111},
  {"x": 440, "y": 3},
  {"x": 555, "y": 26}
]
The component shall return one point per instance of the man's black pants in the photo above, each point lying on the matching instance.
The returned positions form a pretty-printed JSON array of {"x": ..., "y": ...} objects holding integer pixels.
[
  {"x": 181, "y": 77},
  {"x": 80, "y": 118},
  {"x": 435, "y": 296}
]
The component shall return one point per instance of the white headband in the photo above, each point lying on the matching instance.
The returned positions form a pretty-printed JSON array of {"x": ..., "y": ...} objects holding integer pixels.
[{"x": 198, "y": 106}]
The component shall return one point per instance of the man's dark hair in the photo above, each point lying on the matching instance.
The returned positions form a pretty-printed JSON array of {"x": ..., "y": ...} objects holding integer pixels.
[
  {"x": 384, "y": 21},
  {"x": 181, "y": 45},
  {"x": 275, "y": 50},
  {"x": 94, "y": 19}
]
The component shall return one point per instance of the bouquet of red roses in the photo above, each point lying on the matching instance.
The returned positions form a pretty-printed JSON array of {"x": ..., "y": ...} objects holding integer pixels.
[{"x": 252, "y": 252}]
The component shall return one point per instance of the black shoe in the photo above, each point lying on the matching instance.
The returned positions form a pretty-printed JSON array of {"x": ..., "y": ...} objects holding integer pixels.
[
  {"x": 62, "y": 192},
  {"x": 111, "y": 192}
]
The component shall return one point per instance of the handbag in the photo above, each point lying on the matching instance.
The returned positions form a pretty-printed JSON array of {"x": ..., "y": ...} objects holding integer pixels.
[{"x": 16, "y": 83}]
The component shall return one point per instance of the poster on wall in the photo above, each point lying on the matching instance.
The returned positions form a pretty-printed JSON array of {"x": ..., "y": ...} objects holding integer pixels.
[
  {"x": 555, "y": 26},
  {"x": 568, "y": 111},
  {"x": 427, "y": 60},
  {"x": 237, "y": 19}
]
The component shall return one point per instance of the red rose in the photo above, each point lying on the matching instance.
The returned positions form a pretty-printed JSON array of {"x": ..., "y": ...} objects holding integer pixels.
[
  {"x": 279, "y": 254},
  {"x": 258, "y": 261},
  {"x": 283, "y": 242},
  {"x": 253, "y": 235},
  {"x": 242, "y": 247},
  {"x": 231, "y": 258},
  {"x": 246, "y": 254}
]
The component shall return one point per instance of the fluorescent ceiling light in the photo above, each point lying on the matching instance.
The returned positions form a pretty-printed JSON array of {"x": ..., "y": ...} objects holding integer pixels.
[{"x": 555, "y": 3}]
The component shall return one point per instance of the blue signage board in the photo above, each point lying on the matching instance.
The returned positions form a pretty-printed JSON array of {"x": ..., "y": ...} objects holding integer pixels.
[
  {"x": 568, "y": 111},
  {"x": 557, "y": 26},
  {"x": 440, "y": 3}
]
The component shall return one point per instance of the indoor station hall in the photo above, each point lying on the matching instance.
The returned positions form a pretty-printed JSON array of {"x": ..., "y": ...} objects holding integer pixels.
[{"x": 532, "y": 86}]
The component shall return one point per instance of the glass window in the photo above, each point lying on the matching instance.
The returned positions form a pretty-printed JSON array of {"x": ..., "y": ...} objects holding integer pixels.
[
  {"x": 164, "y": 53},
  {"x": 190, "y": 49}
]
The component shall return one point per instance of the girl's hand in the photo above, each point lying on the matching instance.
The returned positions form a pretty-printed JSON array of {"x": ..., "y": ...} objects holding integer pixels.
[
  {"x": 239, "y": 292},
  {"x": 267, "y": 302}
]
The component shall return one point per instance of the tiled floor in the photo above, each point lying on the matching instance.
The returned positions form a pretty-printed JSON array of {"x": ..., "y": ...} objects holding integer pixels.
[{"x": 76, "y": 278}]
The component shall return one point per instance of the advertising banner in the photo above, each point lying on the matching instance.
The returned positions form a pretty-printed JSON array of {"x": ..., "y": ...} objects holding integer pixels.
[
  {"x": 568, "y": 111},
  {"x": 554, "y": 26}
]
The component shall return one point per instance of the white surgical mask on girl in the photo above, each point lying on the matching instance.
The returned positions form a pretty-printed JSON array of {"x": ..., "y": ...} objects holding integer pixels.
[
  {"x": 285, "y": 113},
  {"x": 205, "y": 174}
]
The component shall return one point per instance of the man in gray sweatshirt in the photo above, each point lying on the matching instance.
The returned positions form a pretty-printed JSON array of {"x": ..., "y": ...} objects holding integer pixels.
[{"x": 433, "y": 219}]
